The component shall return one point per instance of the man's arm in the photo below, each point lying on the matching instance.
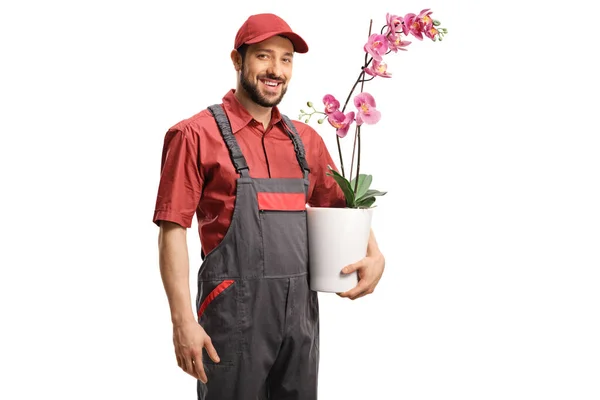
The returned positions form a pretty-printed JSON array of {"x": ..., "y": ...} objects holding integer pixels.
[
  {"x": 174, "y": 270},
  {"x": 373, "y": 247},
  {"x": 188, "y": 336},
  {"x": 369, "y": 270}
]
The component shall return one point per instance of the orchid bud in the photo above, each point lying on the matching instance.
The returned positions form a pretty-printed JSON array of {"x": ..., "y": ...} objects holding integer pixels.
[
  {"x": 308, "y": 103},
  {"x": 436, "y": 22},
  {"x": 321, "y": 120},
  {"x": 303, "y": 112},
  {"x": 306, "y": 121}
]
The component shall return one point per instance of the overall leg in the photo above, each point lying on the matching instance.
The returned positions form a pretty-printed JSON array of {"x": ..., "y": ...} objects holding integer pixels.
[
  {"x": 295, "y": 372},
  {"x": 247, "y": 352}
]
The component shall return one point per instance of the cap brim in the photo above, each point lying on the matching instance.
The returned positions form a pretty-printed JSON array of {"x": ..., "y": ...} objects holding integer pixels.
[{"x": 300, "y": 45}]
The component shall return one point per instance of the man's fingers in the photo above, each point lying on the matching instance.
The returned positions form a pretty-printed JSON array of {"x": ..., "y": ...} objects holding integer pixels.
[
  {"x": 348, "y": 269},
  {"x": 357, "y": 290},
  {"x": 363, "y": 294},
  {"x": 199, "y": 372},
  {"x": 188, "y": 365},
  {"x": 210, "y": 349}
]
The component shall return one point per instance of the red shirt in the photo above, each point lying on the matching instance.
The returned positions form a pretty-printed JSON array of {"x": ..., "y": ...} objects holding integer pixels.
[{"x": 197, "y": 175}]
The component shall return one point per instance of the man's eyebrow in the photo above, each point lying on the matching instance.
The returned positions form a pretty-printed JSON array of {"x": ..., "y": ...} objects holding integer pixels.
[{"x": 260, "y": 49}]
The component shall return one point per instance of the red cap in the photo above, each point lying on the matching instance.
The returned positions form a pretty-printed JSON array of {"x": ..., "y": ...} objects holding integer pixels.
[{"x": 260, "y": 27}]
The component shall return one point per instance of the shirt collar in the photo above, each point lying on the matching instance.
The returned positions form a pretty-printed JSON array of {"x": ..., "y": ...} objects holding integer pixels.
[{"x": 238, "y": 116}]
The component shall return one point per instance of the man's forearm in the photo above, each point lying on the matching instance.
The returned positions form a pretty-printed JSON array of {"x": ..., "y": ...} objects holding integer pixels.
[
  {"x": 372, "y": 247},
  {"x": 174, "y": 270}
]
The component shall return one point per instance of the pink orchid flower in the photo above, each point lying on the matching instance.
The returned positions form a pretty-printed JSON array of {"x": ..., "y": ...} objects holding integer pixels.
[
  {"x": 341, "y": 122},
  {"x": 408, "y": 19},
  {"x": 412, "y": 25},
  {"x": 394, "y": 23},
  {"x": 431, "y": 33},
  {"x": 424, "y": 17},
  {"x": 396, "y": 43},
  {"x": 379, "y": 68},
  {"x": 331, "y": 104},
  {"x": 365, "y": 103},
  {"x": 377, "y": 46}
]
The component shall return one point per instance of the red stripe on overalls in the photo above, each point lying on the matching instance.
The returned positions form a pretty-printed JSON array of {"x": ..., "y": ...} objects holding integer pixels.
[
  {"x": 281, "y": 201},
  {"x": 215, "y": 292}
]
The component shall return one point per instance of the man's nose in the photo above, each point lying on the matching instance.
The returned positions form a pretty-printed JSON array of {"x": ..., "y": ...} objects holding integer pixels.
[{"x": 274, "y": 68}]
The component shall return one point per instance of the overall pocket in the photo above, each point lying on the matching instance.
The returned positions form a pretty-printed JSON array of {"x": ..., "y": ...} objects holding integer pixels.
[
  {"x": 285, "y": 242},
  {"x": 218, "y": 314}
]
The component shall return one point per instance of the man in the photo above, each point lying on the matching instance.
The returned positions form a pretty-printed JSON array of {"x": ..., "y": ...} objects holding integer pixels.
[{"x": 248, "y": 172}]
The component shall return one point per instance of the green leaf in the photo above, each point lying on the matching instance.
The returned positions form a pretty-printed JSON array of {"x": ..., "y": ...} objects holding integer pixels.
[
  {"x": 366, "y": 202},
  {"x": 364, "y": 181},
  {"x": 345, "y": 185},
  {"x": 370, "y": 193}
]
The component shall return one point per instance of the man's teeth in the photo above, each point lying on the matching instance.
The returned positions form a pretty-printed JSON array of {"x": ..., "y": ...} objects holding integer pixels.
[{"x": 270, "y": 83}]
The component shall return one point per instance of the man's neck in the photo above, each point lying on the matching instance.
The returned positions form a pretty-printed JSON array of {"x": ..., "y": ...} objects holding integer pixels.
[{"x": 259, "y": 113}]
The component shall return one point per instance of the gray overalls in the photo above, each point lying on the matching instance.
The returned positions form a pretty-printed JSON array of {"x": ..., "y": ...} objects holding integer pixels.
[{"x": 254, "y": 299}]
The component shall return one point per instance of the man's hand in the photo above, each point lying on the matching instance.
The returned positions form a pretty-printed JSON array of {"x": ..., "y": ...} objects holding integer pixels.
[
  {"x": 369, "y": 270},
  {"x": 189, "y": 338}
]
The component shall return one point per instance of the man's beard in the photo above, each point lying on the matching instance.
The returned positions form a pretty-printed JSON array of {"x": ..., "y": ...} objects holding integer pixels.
[{"x": 252, "y": 89}]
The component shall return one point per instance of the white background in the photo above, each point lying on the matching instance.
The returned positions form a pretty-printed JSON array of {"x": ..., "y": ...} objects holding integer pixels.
[{"x": 488, "y": 147}]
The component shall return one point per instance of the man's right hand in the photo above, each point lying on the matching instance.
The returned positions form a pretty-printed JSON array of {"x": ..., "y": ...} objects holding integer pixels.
[{"x": 189, "y": 338}]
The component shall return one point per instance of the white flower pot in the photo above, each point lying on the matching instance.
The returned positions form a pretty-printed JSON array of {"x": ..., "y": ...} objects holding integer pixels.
[{"x": 337, "y": 237}]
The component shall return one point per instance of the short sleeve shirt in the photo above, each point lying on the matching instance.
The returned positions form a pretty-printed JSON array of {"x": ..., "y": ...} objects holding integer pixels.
[{"x": 198, "y": 177}]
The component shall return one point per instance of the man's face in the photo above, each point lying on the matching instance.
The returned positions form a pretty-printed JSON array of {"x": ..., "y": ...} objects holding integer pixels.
[{"x": 266, "y": 70}]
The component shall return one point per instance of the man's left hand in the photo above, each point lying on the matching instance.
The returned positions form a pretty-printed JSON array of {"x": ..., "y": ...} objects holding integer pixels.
[{"x": 369, "y": 271}]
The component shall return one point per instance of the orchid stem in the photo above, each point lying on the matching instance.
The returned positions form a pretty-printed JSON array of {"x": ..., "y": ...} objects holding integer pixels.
[
  {"x": 358, "y": 80},
  {"x": 357, "y": 132},
  {"x": 353, "y": 152},
  {"x": 357, "y": 161},
  {"x": 370, "y": 28},
  {"x": 361, "y": 80},
  {"x": 337, "y": 138},
  {"x": 355, "y": 84}
]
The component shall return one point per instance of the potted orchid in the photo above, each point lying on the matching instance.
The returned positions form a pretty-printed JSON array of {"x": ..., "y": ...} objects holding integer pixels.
[
  {"x": 390, "y": 39},
  {"x": 350, "y": 226}
]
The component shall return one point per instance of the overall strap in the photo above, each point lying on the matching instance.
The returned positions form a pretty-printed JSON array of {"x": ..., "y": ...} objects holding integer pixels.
[
  {"x": 298, "y": 146},
  {"x": 238, "y": 159}
]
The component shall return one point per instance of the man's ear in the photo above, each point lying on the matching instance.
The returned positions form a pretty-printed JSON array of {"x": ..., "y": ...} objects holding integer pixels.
[{"x": 236, "y": 58}]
